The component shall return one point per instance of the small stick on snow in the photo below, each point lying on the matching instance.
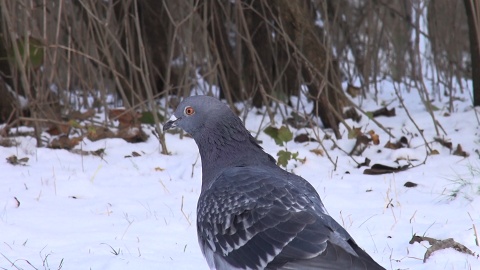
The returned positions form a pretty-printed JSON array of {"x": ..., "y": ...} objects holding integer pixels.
[{"x": 186, "y": 217}]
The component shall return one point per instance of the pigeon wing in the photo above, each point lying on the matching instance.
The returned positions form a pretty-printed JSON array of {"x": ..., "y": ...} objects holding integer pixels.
[{"x": 264, "y": 218}]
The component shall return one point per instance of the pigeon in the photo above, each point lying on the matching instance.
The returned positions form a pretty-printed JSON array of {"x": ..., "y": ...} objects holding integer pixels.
[{"x": 252, "y": 214}]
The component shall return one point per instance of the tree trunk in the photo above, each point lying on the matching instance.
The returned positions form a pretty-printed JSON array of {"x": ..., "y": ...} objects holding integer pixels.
[
  {"x": 472, "y": 8},
  {"x": 229, "y": 79},
  {"x": 319, "y": 69}
]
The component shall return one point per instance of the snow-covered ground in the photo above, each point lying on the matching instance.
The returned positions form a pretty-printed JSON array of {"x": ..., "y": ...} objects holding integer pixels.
[{"x": 64, "y": 210}]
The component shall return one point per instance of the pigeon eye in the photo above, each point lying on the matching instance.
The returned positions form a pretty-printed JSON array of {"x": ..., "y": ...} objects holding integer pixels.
[{"x": 189, "y": 110}]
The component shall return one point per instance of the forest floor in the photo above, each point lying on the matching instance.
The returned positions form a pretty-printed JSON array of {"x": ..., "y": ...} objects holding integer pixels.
[{"x": 131, "y": 207}]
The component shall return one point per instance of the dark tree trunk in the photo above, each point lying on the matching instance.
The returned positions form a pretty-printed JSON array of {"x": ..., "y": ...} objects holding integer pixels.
[
  {"x": 213, "y": 13},
  {"x": 261, "y": 51},
  {"x": 319, "y": 70},
  {"x": 158, "y": 33},
  {"x": 472, "y": 8},
  {"x": 266, "y": 50}
]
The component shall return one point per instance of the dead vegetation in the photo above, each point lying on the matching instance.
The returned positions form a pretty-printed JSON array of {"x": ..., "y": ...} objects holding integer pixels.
[{"x": 60, "y": 58}]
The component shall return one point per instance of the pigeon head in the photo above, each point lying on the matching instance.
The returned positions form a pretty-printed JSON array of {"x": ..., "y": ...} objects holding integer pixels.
[
  {"x": 222, "y": 139},
  {"x": 194, "y": 113}
]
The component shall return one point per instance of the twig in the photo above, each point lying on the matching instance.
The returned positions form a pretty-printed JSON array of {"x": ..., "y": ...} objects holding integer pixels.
[
  {"x": 400, "y": 99},
  {"x": 186, "y": 217}
]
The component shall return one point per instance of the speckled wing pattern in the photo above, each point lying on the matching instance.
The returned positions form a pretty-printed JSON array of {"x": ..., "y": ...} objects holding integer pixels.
[{"x": 266, "y": 218}]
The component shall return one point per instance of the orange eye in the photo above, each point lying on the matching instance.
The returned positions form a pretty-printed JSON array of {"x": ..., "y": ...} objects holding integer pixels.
[{"x": 189, "y": 110}]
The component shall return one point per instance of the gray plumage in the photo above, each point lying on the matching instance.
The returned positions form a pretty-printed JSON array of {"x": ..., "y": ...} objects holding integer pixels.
[{"x": 252, "y": 214}]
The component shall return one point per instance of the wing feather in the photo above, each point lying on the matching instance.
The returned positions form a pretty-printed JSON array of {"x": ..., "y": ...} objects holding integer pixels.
[{"x": 264, "y": 218}]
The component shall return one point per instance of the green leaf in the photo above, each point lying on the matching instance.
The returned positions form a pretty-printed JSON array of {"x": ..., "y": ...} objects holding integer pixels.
[
  {"x": 74, "y": 124},
  {"x": 283, "y": 157},
  {"x": 369, "y": 114},
  {"x": 273, "y": 132},
  {"x": 284, "y": 134},
  {"x": 147, "y": 118},
  {"x": 33, "y": 50},
  {"x": 433, "y": 107}
]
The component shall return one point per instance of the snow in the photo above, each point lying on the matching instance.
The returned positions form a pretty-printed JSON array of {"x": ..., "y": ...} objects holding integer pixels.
[{"x": 64, "y": 210}]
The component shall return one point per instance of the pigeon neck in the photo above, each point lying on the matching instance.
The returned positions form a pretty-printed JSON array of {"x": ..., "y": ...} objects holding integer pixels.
[{"x": 224, "y": 146}]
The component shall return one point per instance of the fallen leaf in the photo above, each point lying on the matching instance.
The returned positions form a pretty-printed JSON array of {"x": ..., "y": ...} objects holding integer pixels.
[
  {"x": 299, "y": 121},
  {"x": 59, "y": 129},
  {"x": 382, "y": 112},
  {"x": 365, "y": 163},
  {"x": 318, "y": 152},
  {"x": 354, "y": 133},
  {"x": 444, "y": 142},
  {"x": 126, "y": 118},
  {"x": 133, "y": 134},
  {"x": 434, "y": 152},
  {"x": 374, "y": 137},
  {"x": 82, "y": 116},
  {"x": 158, "y": 169},
  {"x": 360, "y": 145},
  {"x": 95, "y": 133},
  {"x": 7, "y": 142},
  {"x": 390, "y": 145},
  {"x": 401, "y": 143},
  {"x": 351, "y": 113},
  {"x": 14, "y": 160},
  {"x": 64, "y": 142},
  {"x": 301, "y": 138},
  {"x": 353, "y": 91},
  {"x": 409, "y": 184},
  {"x": 459, "y": 151},
  {"x": 99, "y": 152},
  {"x": 383, "y": 169}
]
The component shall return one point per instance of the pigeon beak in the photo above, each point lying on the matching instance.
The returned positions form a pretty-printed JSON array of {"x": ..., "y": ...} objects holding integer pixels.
[{"x": 171, "y": 123}]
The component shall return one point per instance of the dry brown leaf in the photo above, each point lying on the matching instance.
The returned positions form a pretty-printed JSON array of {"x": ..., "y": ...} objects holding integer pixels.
[
  {"x": 99, "y": 152},
  {"x": 352, "y": 113},
  {"x": 459, "y": 151},
  {"x": 133, "y": 135},
  {"x": 7, "y": 142},
  {"x": 126, "y": 119},
  {"x": 353, "y": 91},
  {"x": 444, "y": 142},
  {"x": 365, "y": 163},
  {"x": 434, "y": 152},
  {"x": 59, "y": 129},
  {"x": 360, "y": 145},
  {"x": 354, "y": 133},
  {"x": 374, "y": 137},
  {"x": 390, "y": 145},
  {"x": 95, "y": 133},
  {"x": 14, "y": 160},
  {"x": 409, "y": 184},
  {"x": 401, "y": 143},
  {"x": 158, "y": 169},
  {"x": 318, "y": 152},
  {"x": 82, "y": 116},
  {"x": 64, "y": 142},
  {"x": 383, "y": 112},
  {"x": 383, "y": 169}
]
